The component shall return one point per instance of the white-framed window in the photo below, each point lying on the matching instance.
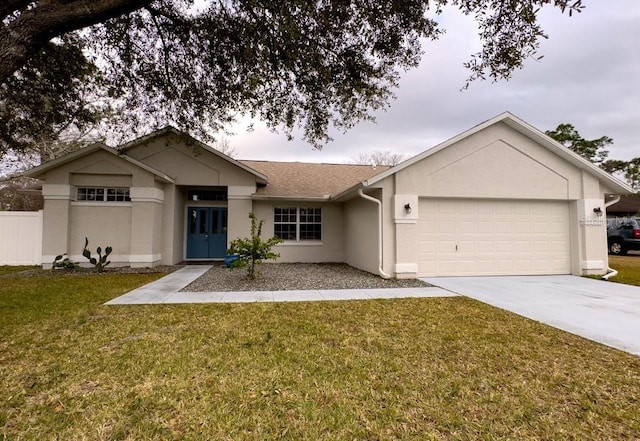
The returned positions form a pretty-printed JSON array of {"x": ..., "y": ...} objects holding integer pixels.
[
  {"x": 103, "y": 194},
  {"x": 297, "y": 223}
]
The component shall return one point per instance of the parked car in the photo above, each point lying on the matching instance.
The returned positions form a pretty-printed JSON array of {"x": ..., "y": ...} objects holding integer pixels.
[{"x": 623, "y": 235}]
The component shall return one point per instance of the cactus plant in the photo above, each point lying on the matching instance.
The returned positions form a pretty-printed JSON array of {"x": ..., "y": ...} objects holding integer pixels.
[
  {"x": 62, "y": 261},
  {"x": 100, "y": 262}
]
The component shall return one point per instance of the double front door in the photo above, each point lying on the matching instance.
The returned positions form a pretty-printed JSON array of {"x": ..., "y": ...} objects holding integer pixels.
[{"x": 206, "y": 232}]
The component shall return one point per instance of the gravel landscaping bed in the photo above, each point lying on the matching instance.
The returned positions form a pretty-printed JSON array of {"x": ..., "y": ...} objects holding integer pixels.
[{"x": 294, "y": 276}]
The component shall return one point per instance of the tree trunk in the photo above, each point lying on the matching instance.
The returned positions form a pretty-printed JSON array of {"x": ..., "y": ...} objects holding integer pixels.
[{"x": 33, "y": 28}]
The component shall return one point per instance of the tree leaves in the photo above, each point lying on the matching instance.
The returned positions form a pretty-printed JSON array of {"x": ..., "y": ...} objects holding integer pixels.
[{"x": 293, "y": 63}]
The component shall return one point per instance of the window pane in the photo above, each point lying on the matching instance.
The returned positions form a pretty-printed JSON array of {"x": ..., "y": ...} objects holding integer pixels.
[
  {"x": 214, "y": 222},
  {"x": 203, "y": 221},
  {"x": 285, "y": 231},
  {"x": 192, "y": 222},
  {"x": 103, "y": 194},
  {"x": 310, "y": 232}
]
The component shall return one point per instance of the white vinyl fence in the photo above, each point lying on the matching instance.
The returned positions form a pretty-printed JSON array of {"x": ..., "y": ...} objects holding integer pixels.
[{"x": 20, "y": 237}]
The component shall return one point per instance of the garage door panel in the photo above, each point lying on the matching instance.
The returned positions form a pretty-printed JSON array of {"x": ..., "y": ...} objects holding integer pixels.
[{"x": 488, "y": 237}]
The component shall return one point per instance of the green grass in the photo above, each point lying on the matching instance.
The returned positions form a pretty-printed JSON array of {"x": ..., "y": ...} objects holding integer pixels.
[
  {"x": 7, "y": 269},
  {"x": 628, "y": 268},
  {"x": 428, "y": 369}
]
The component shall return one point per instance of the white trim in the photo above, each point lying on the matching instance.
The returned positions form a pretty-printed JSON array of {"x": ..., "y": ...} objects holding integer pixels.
[
  {"x": 170, "y": 129},
  {"x": 298, "y": 223},
  {"x": 406, "y": 268},
  {"x": 43, "y": 168},
  {"x": 59, "y": 192},
  {"x": 400, "y": 216},
  {"x": 325, "y": 198},
  {"x": 99, "y": 204},
  {"x": 80, "y": 259},
  {"x": 300, "y": 243},
  {"x": 593, "y": 265},
  {"x": 518, "y": 125},
  {"x": 240, "y": 191},
  {"x": 144, "y": 258},
  {"x": 146, "y": 194}
]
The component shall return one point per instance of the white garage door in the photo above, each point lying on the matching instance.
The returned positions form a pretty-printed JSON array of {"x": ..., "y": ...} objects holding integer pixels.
[{"x": 489, "y": 237}]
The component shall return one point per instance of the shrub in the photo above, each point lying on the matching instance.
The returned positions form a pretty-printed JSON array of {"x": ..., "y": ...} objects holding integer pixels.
[{"x": 252, "y": 251}]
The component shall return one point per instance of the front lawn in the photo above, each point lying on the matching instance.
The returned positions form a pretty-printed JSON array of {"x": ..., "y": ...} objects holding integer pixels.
[
  {"x": 628, "y": 268},
  {"x": 428, "y": 369},
  {"x": 9, "y": 269}
]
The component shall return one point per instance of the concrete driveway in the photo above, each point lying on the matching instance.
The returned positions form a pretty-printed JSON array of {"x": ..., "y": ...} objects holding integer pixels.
[{"x": 601, "y": 311}]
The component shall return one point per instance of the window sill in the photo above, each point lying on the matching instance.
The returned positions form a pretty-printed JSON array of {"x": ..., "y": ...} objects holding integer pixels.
[
  {"x": 296, "y": 243},
  {"x": 100, "y": 204}
]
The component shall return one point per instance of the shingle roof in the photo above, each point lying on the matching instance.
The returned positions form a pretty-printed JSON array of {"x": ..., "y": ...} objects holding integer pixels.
[{"x": 299, "y": 179}]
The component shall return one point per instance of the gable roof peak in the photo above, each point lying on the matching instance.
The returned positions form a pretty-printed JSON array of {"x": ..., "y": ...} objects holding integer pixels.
[{"x": 523, "y": 128}]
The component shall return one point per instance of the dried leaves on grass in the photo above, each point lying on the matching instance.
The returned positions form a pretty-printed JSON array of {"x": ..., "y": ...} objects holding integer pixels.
[{"x": 434, "y": 369}]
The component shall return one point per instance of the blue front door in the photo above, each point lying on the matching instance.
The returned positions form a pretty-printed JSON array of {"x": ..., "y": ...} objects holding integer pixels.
[{"x": 206, "y": 232}]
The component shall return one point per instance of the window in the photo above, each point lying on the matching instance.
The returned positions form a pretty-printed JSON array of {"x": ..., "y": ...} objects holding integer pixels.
[
  {"x": 102, "y": 194},
  {"x": 297, "y": 223},
  {"x": 207, "y": 195}
]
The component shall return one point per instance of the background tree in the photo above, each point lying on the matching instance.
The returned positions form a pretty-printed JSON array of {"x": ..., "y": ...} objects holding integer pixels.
[
  {"x": 379, "y": 157},
  {"x": 293, "y": 63},
  {"x": 223, "y": 145},
  {"x": 20, "y": 194},
  {"x": 54, "y": 96},
  {"x": 593, "y": 150}
]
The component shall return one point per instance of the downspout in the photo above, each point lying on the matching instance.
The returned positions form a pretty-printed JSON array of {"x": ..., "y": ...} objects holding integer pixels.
[
  {"x": 372, "y": 199},
  {"x": 610, "y": 271}
]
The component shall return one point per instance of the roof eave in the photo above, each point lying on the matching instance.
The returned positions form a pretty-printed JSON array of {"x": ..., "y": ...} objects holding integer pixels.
[
  {"x": 527, "y": 130},
  {"x": 38, "y": 171},
  {"x": 260, "y": 197},
  {"x": 261, "y": 179}
]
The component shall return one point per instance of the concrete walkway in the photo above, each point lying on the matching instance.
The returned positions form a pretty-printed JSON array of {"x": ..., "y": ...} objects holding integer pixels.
[
  {"x": 605, "y": 312},
  {"x": 167, "y": 290}
]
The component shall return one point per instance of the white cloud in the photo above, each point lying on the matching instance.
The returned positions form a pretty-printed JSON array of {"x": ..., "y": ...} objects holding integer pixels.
[{"x": 589, "y": 76}]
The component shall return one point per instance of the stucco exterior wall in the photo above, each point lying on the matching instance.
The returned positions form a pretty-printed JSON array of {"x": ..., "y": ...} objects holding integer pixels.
[
  {"x": 329, "y": 249},
  {"x": 189, "y": 165},
  {"x": 103, "y": 225},
  {"x": 501, "y": 163},
  {"x": 179, "y": 229},
  {"x": 132, "y": 229},
  {"x": 496, "y": 162},
  {"x": 361, "y": 234}
]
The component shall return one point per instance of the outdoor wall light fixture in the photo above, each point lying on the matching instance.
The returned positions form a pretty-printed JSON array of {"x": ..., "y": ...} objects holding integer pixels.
[
  {"x": 407, "y": 208},
  {"x": 598, "y": 211}
]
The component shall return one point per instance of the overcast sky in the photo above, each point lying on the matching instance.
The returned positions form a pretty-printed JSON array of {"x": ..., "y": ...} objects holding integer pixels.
[{"x": 589, "y": 77}]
